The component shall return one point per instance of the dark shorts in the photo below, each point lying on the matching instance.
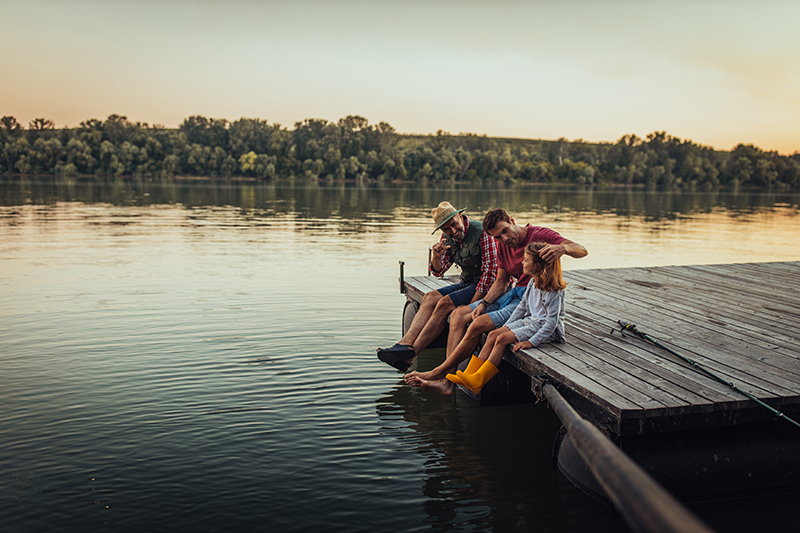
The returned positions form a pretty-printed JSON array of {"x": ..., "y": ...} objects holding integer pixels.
[{"x": 460, "y": 293}]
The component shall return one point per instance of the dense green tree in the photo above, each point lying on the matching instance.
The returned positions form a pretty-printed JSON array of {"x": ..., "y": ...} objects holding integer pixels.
[
  {"x": 15, "y": 156},
  {"x": 10, "y": 130},
  {"x": 79, "y": 154},
  {"x": 41, "y": 124},
  {"x": 353, "y": 149},
  {"x": 196, "y": 130},
  {"x": 45, "y": 155}
]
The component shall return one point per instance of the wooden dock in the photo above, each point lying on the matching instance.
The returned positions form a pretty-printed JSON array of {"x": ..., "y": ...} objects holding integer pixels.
[{"x": 740, "y": 321}]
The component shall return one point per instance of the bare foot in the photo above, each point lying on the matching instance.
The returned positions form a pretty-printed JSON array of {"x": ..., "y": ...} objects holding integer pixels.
[
  {"x": 441, "y": 386},
  {"x": 411, "y": 379},
  {"x": 427, "y": 376}
]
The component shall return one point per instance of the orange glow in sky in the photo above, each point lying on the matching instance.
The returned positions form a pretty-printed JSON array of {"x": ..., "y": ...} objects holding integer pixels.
[{"x": 718, "y": 73}]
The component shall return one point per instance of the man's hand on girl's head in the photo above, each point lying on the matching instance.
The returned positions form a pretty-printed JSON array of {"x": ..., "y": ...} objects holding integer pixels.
[{"x": 551, "y": 252}]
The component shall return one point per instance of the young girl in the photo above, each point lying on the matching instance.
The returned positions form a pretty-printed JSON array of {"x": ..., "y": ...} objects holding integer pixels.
[{"x": 538, "y": 318}]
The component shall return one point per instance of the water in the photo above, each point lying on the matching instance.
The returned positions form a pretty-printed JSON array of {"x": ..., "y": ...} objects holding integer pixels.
[{"x": 201, "y": 356}]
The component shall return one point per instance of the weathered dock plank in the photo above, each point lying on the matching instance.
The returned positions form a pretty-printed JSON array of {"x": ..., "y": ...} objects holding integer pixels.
[
  {"x": 698, "y": 317},
  {"x": 705, "y": 287},
  {"x": 642, "y": 365},
  {"x": 759, "y": 274},
  {"x": 423, "y": 284},
  {"x": 740, "y": 321},
  {"x": 643, "y": 360},
  {"x": 698, "y": 296},
  {"x": 678, "y": 324}
]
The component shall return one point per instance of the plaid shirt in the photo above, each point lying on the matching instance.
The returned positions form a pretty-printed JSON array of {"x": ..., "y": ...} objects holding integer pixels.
[{"x": 488, "y": 260}]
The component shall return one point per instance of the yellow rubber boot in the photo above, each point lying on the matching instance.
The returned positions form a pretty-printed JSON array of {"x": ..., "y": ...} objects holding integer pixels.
[
  {"x": 474, "y": 364},
  {"x": 455, "y": 379},
  {"x": 476, "y": 381}
]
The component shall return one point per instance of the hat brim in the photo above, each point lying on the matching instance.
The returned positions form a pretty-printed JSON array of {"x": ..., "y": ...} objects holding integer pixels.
[{"x": 443, "y": 222}]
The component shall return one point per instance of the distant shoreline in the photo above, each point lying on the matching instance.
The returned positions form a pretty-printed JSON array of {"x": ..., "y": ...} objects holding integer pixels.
[
  {"x": 86, "y": 178},
  {"x": 353, "y": 151}
]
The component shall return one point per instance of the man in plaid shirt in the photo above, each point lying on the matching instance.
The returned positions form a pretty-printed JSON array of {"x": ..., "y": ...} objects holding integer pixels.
[{"x": 464, "y": 243}]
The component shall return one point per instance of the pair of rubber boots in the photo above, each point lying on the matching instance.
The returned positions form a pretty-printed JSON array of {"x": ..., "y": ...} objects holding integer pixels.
[{"x": 475, "y": 376}]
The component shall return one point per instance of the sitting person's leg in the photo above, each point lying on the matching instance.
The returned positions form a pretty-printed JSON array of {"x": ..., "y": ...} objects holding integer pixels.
[
  {"x": 403, "y": 351},
  {"x": 477, "y": 360},
  {"x": 482, "y": 373},
  {"x": 423, "y": 314},
  {"x": 496, "y": 316},
  {"x": 476, "y": 329},
  {"x": 504, "y": 338},
  {"x": 438, "y": 319},
  {"x": 460, "y": 319}
]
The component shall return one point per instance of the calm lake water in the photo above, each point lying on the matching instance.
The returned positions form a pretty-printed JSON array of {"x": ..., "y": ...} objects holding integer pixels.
[{"x": 200, "y": 356}]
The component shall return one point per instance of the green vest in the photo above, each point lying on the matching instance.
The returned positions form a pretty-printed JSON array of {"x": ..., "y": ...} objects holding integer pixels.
[{"x": 467, "y": 253}]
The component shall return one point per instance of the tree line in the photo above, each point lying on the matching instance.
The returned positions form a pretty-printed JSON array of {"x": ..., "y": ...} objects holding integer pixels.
[{"x": 353, "y": 149}]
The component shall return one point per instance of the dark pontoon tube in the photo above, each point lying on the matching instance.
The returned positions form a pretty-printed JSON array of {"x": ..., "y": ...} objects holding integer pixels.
[{"x": 644, "y": 504}]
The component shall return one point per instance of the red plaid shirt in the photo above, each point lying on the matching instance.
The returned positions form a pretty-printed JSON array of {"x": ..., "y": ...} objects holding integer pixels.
[{"x": 488, "y": 260}]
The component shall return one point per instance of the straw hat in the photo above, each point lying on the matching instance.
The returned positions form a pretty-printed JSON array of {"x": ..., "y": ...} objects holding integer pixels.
[{"x": 442, "y": 213}]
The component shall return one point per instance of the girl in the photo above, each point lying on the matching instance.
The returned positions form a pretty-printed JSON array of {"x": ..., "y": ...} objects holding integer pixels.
[{"x": 538, "y": 318}]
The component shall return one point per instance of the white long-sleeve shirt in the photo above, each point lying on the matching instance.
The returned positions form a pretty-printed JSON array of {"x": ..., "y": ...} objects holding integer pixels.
[{"x": 541, "y": 307}]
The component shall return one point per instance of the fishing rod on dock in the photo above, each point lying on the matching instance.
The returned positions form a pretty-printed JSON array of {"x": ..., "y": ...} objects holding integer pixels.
[{"x": 631, "y": 329}]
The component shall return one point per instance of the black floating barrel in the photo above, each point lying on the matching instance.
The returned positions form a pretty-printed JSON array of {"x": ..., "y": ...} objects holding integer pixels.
[
  {"x": 644, "y": 504},
  {"x": 705, "y": 463}
]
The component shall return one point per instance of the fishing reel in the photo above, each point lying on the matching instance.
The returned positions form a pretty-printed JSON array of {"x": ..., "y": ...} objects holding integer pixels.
[{"x": 627, "y": 326}]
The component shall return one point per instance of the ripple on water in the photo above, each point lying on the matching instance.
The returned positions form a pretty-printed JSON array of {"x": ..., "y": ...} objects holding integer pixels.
[{"x": 213, "y": 367}]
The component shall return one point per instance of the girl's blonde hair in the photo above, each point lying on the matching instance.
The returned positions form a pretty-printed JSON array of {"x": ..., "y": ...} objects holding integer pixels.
[{"x": 546, "y": 276}]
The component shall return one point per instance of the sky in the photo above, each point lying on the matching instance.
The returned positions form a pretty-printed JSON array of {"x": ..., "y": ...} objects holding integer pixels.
[{"x": 718, "y": 73}]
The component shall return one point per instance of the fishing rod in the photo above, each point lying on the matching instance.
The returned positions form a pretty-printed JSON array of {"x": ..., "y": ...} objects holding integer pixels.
[{"x": 631, "y": 329}]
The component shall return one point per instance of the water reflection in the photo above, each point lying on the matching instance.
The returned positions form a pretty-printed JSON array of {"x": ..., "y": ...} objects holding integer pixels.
[
  {"x": 375, "y": 202},
  {"x": 477, "y": 475},
  {"x": 620, "y": 228},
  {"x": 203, "y": 352}
]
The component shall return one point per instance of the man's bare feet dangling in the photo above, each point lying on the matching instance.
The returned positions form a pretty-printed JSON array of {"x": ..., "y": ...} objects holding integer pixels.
[{"x": 440, "y": 386}]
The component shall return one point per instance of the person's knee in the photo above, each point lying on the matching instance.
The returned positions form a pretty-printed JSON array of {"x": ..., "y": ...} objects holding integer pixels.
[
  {"x": 461, "y": 316},
  {"x": 432, "y": 295},
  {"x": 431, "y": 298},
  {"x": 507, "y": 338},
  {"x": 445, "y": 306},
  {"x": 482, "y": 324}
]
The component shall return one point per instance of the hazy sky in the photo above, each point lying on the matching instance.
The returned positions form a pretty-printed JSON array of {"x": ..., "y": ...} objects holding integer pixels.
[{"x": 718, "y": 73}]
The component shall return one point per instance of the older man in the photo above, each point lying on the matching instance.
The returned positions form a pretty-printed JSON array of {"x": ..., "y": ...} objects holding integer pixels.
[
  {"x": 464, "y": 243},
  {"x": 468, "y": 324}
]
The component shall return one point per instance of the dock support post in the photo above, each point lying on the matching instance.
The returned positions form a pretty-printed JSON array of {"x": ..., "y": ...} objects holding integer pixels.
[
  {"x": 402, "y": 280},
  {"x": 430, "y": 258},
  {"x": 644, "y": 504}
]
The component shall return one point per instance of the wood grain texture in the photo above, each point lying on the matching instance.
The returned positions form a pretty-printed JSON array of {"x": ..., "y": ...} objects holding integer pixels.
[{"x": 740, "y": 321}]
